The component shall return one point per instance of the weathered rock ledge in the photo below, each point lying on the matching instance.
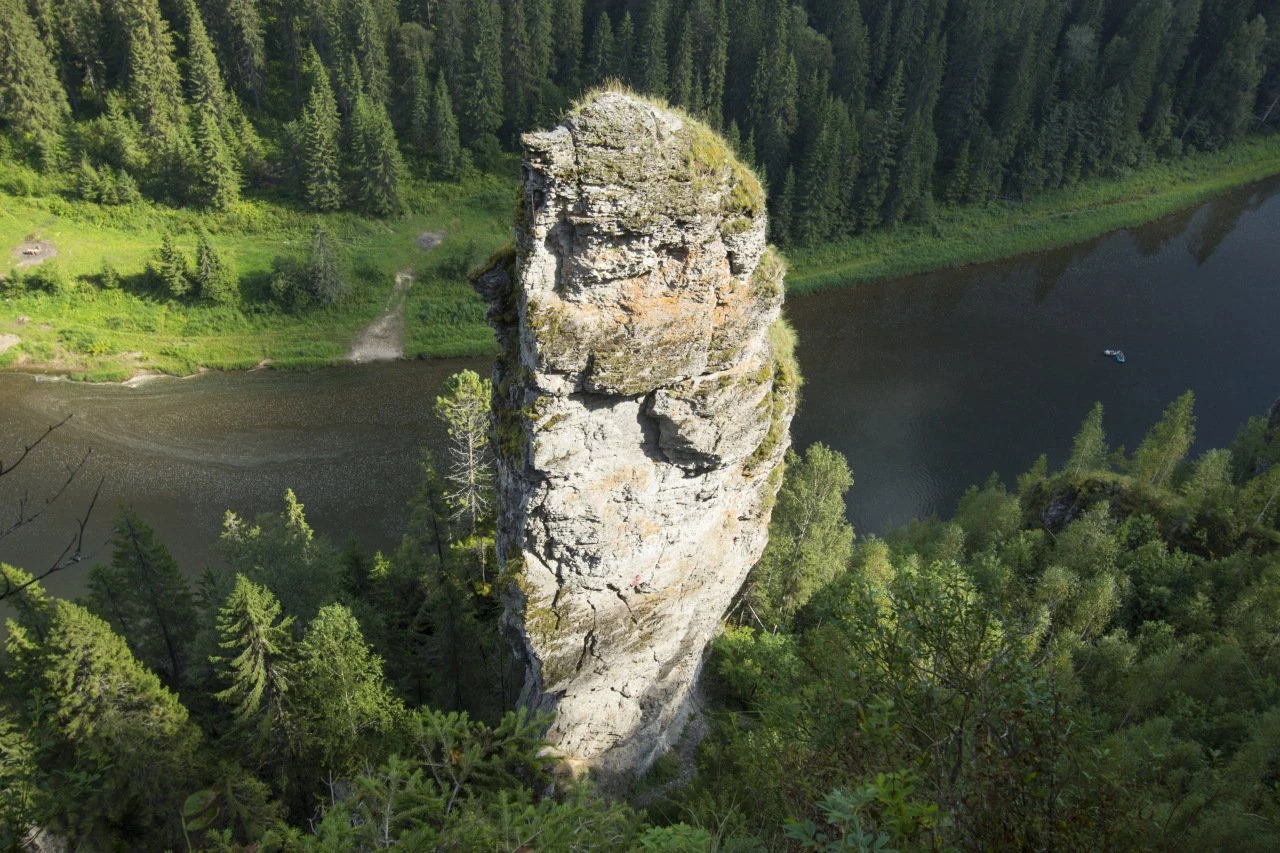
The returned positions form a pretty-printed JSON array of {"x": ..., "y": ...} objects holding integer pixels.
[{"x": 642, "y": 406}]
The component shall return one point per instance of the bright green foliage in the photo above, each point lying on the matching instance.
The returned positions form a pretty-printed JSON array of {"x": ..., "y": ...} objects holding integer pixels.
[
  {"x": 33, "y": 104},
  {"x": 1089, "y": 448},
  {"x": 213, "y": 281},
  {"x": 122, "y": 744},
  {"x": 465, "y": 786},
  {"x": 347, "y": 711},
  {"x": 375, "y": 161},
  {"x": 321, "y": 183},
  {"x": 1168, "y": 442},
  {"x": 281, "y": 552},
  {"x": 144, "y": 597},
  {"x": 810, "y": 540}
]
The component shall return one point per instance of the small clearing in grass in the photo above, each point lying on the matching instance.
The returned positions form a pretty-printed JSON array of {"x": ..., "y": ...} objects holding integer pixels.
[
  {"x": 428, "y": 240},
  {"x": 7, "y": 342},
  {"x": 33, "y": 252}
]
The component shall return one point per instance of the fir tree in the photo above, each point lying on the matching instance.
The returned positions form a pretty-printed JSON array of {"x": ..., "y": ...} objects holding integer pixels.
[
  {"x": 213, "y": 281},
  {"x": 567, "y": 42},
  {"x": 1167, "y": 443},
  {"x": 170, "y": 268},
  {"x": 32, "y": 101},
  {"x": 347, "y": 708},
  {"x": 258, "y": 664},
  {"x": 112, "y": 722},
  {"x": 652, "y": 71},
  {"x": 144, "y": 595},
  {"x": 321, "y": 183},
  {"x": 482, "y": 111},
  {"x": 325, "y": 283},
  {"x": 155, "y": 91},
  {"x": 682, "y": 74},
  {"x": 244, "y": 43},
  {"x": 375, "y": 159},
  {"x": 600, "y": 59},
  {"x": 624, "y": 51},
  {"x": 446, "y": 148},
  {"x": 216, "y": 177}
]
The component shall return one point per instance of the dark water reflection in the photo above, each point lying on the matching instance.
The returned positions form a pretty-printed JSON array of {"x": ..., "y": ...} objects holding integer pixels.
[
  {"x": 927, "y": 384},
  {"x": 182, "y": 452},
  {"x": 933, "y": 382}
]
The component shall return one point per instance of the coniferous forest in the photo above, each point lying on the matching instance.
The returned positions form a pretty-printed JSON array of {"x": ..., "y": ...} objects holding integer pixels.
[
  {"x": 859, "y": 115},
  {"x": 1085, "y": 659}
]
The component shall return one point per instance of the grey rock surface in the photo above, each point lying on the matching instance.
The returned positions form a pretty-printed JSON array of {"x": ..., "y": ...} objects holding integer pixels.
[{"x": 642, "y": 406}]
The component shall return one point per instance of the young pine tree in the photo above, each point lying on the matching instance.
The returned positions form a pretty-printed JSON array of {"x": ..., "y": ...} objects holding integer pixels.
[
  {"x": 1089, "y": 448},
  {"x": 214, "y": 282},
  {"x": 1167, "y": 444},
  {"x": 170, "y": 268}
]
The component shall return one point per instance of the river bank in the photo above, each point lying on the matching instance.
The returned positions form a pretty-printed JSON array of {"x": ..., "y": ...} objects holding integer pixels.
[
  {"x": 113, "y": 335},
  {"x": 977, "y": 234}
]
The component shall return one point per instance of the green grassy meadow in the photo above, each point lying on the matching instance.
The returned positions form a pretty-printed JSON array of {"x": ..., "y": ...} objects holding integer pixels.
[
  {"x": 88, "y": 332},
  {"x": 111, "y": 334}
]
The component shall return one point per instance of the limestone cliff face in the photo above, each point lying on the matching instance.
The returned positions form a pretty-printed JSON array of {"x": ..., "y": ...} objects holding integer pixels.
[{"x": 642, "y": 406}]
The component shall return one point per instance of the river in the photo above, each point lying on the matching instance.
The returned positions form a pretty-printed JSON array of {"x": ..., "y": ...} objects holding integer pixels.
[{"x": 927, "y": 384}]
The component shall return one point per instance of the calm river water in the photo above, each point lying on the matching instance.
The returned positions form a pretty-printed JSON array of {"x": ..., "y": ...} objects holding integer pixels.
[{"x": 927, "y": 384}]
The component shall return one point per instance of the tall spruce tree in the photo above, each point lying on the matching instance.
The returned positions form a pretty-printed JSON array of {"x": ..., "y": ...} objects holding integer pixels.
[
  {"x": 482, "y": 109},
  {"x": 145, "y": 597},
  {"x": 1167, "y": 443},
  {"x": 155, "y": 90},
  {"x": 600, "y": 59},
  {"x": 321, "y": 181},
  {"x": 33, "y": 103},
  {"x": 446, "y": 147},
  {"x": 109, "y": 720},
  {"x": 651, "y": 73},
  {"x": 258, "y": 667},
  {"x": 375, "y": 159}
]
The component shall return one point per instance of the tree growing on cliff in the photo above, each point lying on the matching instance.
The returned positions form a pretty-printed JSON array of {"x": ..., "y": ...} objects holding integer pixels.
[
  {"x": 810, "y": 539},
  {"x": 464, "y": 410}
]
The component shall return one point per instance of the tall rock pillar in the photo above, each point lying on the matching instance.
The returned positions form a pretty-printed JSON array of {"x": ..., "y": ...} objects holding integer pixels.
[{"x": 642, "y": 405}]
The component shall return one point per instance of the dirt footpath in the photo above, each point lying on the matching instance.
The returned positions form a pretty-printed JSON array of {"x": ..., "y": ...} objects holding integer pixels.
[{"x": 383, "y": 339}]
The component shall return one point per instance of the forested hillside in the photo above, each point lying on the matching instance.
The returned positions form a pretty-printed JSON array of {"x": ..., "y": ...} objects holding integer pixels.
[
  {"x": 1083, "y": 662},
  {"x": 859, "y": 115}
]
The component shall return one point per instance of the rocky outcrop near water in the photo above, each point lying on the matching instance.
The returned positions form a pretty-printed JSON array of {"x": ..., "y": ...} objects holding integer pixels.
[{"x": 642, "y": 405}]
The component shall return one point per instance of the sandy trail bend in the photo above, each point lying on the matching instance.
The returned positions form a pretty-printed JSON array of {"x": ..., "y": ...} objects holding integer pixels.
[{"x": 383, "y": 339}]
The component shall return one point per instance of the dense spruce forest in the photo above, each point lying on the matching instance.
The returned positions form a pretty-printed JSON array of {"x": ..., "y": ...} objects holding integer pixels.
[
  {"x": 1086, "y": 661},
  {"x": 859, "y": 116}
]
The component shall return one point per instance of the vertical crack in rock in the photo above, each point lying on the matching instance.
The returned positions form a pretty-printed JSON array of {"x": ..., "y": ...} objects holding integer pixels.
[{"x": 642, "y": 405}]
